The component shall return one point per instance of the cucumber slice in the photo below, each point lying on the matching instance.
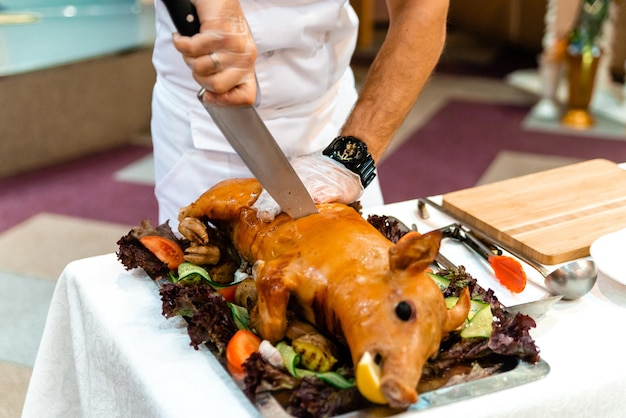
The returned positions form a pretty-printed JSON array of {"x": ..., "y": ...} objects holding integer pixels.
[
  {"x": 240, "y": 316},
  {"x": 194, "y": 273},
  {"x": 189, "y": 271},
  {"x": 475, "y": 307},
  {"x": 332, "y": 378},
  {"x": 336, "y": 380},
  {"x": 290, "y": 357},
  {"x": 441, "y": 281},
  {"x": 480, "y": 326}
]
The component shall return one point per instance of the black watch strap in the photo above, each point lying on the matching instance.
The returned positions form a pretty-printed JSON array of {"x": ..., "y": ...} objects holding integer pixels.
[{"x": 353, "y": 154}]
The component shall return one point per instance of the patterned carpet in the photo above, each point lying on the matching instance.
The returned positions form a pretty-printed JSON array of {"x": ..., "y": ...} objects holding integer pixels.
[
  {"x": 465, "y": 130},
  {"x": 108, "y": 187}
]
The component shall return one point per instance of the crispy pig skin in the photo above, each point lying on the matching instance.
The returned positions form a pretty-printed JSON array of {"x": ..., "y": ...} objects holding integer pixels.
[{"x": 345, "y": 277}]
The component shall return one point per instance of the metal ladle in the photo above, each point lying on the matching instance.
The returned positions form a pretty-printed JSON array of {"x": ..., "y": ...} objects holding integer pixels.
[{"x": 572, "y": 280}]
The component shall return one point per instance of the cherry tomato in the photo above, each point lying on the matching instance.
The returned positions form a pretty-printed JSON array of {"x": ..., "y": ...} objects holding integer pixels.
[{"x": 240, "y": 347}]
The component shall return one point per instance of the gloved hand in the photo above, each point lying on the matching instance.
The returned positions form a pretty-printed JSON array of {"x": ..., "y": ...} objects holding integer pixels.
[{"x": 324, "y": 178}]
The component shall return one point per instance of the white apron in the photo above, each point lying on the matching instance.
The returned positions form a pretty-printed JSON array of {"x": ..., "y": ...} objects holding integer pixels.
[{"x": 306, "y": 90}]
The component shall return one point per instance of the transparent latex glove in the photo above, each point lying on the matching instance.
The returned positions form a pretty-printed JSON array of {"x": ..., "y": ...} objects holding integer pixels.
[
  {"x": 222, "y": 55},
  {"x": 324, "y": 178}
]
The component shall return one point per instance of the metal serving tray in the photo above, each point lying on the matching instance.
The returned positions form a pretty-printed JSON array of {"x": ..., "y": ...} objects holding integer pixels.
[{"x": 523, "y": 372}]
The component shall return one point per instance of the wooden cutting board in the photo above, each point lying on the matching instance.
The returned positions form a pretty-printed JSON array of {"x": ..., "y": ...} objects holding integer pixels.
[{"x": 552, "y": 216}]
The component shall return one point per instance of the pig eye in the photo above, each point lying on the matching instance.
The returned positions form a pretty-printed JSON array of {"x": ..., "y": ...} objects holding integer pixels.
[{"x": 405, "y": 311}]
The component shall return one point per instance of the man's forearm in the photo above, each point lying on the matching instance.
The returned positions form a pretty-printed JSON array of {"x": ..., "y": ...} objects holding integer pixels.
[{"x": 405, "y": 61}]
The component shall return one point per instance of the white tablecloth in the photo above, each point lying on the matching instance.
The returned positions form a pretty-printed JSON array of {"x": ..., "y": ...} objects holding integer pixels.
[{"x": 107, "y": 351}]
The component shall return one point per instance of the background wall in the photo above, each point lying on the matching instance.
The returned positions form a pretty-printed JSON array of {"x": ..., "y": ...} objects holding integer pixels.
[
  {"x": 69, "y": 111},
  {"x": 518, "y": 22},
  {"x": 502, "y": 20},
  {"x": 521, "y": 23}
]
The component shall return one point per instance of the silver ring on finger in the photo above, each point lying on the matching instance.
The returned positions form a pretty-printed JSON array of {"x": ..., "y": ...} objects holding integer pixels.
[{"x": 216, "y": 62}]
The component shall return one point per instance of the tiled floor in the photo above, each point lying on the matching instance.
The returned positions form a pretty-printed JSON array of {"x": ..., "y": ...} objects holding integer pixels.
[{"x": 34, "y": 252}]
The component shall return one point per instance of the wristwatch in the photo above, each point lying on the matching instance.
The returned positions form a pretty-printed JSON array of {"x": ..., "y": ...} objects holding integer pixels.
[{"x": 352, "y": 153}]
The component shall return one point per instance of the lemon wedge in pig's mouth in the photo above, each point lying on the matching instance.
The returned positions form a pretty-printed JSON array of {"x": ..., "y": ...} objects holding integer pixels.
[{"x": 368, "y": 379}]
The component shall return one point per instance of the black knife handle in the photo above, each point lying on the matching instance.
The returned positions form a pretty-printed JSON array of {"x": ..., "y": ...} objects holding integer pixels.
[{"x": 184, "y": 16}]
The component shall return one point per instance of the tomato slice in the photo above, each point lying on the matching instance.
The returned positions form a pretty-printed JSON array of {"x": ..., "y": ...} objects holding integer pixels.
[
  {"x": 228, "y": 293},
  {"x": 164, "y": 249},
  {"x": 240, "y": 347}
]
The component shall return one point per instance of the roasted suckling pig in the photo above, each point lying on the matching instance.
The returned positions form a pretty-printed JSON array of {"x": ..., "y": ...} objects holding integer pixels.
[{"x": 342, "y": 275}]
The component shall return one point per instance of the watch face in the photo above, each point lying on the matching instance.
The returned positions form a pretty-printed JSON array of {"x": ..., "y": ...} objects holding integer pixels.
[
  {"x": 349, "y": 150},
  {"x": 352, "y": 153}
]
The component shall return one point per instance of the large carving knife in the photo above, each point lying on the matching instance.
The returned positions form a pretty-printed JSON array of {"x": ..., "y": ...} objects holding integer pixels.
[{"x": 247, "y": 134}]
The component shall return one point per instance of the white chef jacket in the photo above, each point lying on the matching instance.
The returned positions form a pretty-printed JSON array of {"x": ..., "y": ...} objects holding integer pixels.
[{"x": 305, "y": 92}]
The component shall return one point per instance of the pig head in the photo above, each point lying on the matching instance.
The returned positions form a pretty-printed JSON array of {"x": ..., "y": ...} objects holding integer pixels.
[
  {"x": 401, "y": 319},
  {"x": 341, "y": 274}
]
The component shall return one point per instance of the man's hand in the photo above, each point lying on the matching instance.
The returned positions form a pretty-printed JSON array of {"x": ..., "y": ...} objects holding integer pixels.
[
  {"x": 222, "y": 55},
  {"x": 325, "y": 179}
]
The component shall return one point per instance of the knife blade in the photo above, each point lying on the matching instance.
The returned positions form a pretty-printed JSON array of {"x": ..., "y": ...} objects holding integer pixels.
[
  {"x": 248, "y": 135},
  {"x": 535, "y": 308}
]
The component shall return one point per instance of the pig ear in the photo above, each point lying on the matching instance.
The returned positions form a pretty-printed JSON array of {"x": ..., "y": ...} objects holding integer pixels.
[
  {"x": 457, "y": 314},
  {"x": 415, "y": 251}
]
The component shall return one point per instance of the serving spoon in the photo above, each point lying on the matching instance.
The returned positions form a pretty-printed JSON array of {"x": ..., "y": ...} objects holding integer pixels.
[{"x": 572, "y": 280}]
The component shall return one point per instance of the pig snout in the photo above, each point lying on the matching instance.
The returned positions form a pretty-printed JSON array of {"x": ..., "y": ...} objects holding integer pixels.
[
  {"x": 398, "y": 394},
  {"x": 398, "y": 382}
]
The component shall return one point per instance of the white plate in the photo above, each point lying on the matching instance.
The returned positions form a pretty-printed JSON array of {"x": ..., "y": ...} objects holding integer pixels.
[{"x": 608, "y": 252}]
